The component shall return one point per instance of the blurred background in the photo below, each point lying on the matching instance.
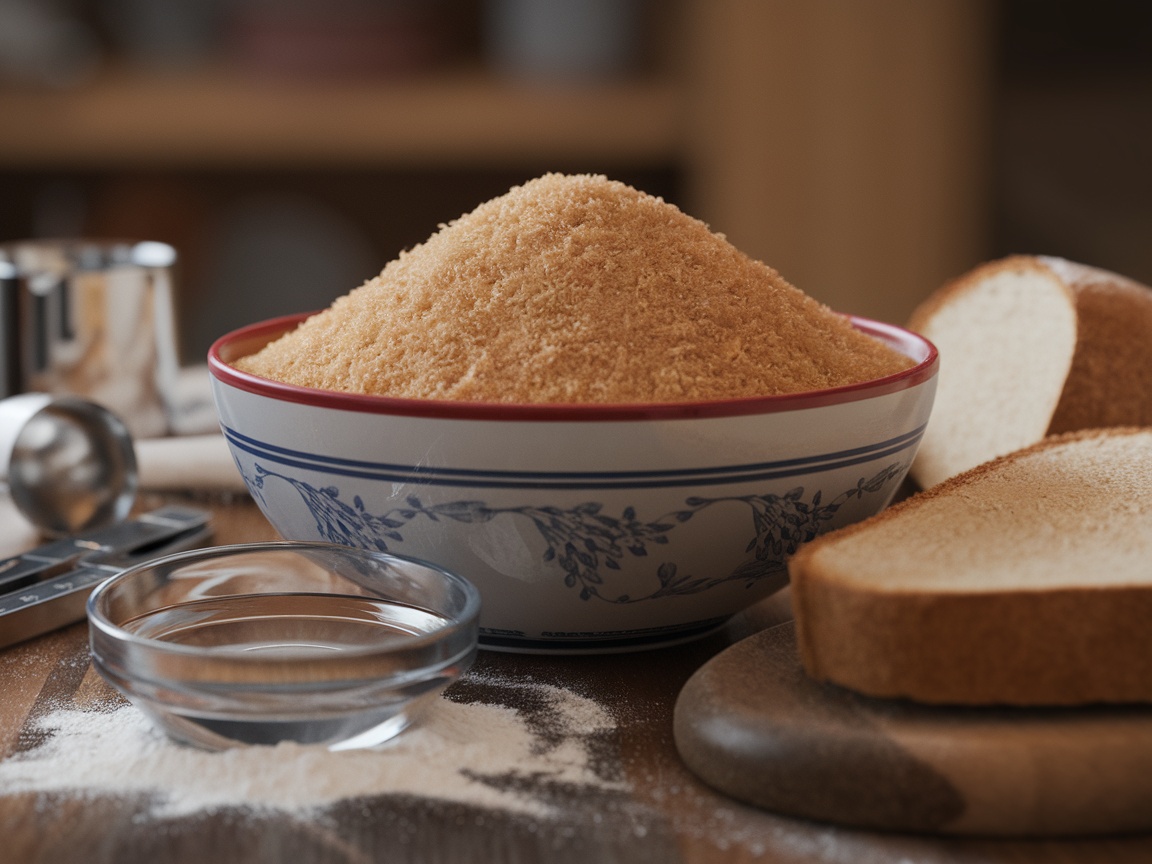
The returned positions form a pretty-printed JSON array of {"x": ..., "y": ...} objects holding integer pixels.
[{"x": 289, "y": 148}]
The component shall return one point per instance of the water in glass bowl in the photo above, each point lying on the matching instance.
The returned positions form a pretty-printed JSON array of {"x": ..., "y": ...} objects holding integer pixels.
[{"x": 303, "y": 667}]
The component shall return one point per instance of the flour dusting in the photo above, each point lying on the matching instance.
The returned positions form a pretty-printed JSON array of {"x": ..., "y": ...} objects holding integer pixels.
[{"x": 486, "y": 755}]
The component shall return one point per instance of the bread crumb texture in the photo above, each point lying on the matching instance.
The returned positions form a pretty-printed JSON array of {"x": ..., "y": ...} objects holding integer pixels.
[
  {"x": 1041, "y": 518},
  {"x": 575, "y": 289},
  {"x": 1006, "y": 333}
]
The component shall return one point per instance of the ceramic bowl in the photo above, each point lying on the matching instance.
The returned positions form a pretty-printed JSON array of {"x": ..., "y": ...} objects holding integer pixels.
[{"x": 586, "y": 528}]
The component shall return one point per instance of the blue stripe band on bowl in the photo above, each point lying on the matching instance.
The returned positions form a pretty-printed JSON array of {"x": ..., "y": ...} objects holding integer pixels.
[{"x": 479, "y": 478}]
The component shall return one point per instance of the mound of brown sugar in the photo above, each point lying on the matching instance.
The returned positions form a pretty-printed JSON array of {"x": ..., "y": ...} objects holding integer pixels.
[{"x": 575, "y": 289}]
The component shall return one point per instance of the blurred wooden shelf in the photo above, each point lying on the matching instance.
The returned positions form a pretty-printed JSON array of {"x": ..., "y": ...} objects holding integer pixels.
[
  {"x": 225, "y": 118},
  {"x": 846, "y": 144}
]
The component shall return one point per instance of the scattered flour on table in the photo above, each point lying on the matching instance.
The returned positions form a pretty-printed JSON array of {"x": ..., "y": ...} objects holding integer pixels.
[{"x": 458, "y": 751}]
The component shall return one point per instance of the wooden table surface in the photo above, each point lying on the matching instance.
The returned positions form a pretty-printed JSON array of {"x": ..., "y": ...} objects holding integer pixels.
[{"x": 662, "y": 815}]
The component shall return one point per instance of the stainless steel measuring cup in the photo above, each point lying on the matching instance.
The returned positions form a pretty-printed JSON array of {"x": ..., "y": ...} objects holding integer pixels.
[
  {"x": 94, "y": 319},
  {"x": 69, "y": 464}
]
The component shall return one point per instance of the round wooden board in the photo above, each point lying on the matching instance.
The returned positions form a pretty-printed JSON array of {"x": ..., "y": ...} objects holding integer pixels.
[{"x": 751, "y": 724}]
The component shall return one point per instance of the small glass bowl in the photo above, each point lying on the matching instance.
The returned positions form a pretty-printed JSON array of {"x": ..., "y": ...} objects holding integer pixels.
[{"x": 285, "y": 641}]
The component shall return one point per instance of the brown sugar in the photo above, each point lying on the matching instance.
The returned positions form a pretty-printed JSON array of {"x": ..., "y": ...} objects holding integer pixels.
[{"x": 575, "y": 289}]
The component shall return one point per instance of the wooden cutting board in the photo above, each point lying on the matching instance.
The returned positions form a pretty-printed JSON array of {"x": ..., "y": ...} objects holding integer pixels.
[{"x": 751, "y": 724}]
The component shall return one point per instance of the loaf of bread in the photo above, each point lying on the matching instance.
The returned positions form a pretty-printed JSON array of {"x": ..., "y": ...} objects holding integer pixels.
[
  {"x": 1032, "y": 346},
  {"x": 1025, "y": 581}
]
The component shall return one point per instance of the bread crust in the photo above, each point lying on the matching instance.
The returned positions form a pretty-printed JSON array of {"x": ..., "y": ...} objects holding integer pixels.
[
  {"x": 1014, "y": 646},
  {"x": 1110, "y": 382}
]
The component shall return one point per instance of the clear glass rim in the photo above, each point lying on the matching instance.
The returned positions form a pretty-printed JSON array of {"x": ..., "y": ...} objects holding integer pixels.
[{"x": 456, "y": 624}]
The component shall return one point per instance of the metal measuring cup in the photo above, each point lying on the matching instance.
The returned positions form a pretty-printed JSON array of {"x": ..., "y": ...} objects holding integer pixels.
[
  {"x": 94, "y": 319},
  {"x": 69, "y": 463}
]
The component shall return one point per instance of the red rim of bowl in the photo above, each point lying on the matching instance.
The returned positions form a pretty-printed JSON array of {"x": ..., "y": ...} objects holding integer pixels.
[{"x": 247, "y": 340}]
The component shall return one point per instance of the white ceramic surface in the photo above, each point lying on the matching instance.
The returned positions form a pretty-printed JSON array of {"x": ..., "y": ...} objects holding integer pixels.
[{"x": 586, "y": 528}]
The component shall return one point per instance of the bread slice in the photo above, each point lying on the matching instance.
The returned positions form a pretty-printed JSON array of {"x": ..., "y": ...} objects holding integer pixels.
[
  {"x": 1025, "y": 581},
  {"x": 1031, "y": 346}
]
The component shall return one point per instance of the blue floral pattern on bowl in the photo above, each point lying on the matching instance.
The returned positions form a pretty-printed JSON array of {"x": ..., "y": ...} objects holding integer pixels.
[{"x": 587, "y": 543}]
